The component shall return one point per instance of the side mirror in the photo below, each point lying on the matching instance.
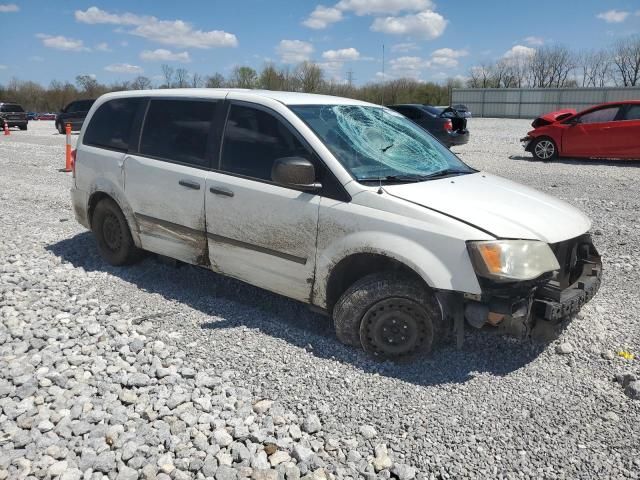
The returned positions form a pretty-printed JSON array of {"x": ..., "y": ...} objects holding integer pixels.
[
  {"x": 295, "y": 172},
  {"x": 574, "y": 121}
]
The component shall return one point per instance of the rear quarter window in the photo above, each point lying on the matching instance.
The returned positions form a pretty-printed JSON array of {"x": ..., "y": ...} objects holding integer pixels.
[{"x": 111, "y": 125}]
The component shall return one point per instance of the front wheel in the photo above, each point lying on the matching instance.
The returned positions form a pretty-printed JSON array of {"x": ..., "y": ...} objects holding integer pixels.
[
  {"x": 544, "y": 149},
  {"x": 60, "y": 128},
  {"x": 389, "y": 316},
  {"x": 113, "y": 236}
]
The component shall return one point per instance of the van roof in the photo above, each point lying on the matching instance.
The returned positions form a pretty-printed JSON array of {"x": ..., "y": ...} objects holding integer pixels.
[{"x": 287, "y": 98}]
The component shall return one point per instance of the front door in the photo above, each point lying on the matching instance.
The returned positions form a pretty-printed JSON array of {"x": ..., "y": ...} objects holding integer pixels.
[
  {"x": 165, "y": 179},
  {"x": 258, "y": 231},
  {"x": 590, "y": 136}
]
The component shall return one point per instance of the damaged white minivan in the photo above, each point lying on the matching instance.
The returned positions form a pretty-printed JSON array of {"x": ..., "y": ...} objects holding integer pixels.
[{"x": 345, "y": 205}]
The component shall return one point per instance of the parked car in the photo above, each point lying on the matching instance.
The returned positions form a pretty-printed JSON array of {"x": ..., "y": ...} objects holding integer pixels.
[
  {"x": 462, "y": 110},
  {"x": 31, "y": 115},
  {"x": 46, "y": 116},
  {"x": 610, "y": 130},
  {"x": 74, "y": 113},
  {"x": 344, "y": 205},
  {"x": 13, "y": 115},
  {"x": 443, "y": 123}
]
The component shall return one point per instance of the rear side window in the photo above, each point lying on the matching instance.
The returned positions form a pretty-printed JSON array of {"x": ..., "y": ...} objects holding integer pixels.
[
  {"x": 607, "y": 114},
  {"x": 111, "y": 124},
  {"x": 254, "y": 140},
  {"x": 633, "y": 112},
  {"x": 11, "y": 108},
  {"x": 177, "y": 130}
]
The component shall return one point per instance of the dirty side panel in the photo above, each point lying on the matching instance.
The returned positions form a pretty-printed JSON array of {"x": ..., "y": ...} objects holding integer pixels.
[{"x": 169, "y": 215}]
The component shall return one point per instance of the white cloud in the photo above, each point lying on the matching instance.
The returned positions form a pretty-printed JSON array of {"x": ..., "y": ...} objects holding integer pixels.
[
  {"x": 342, "y": 55},
  {"x": 177, "y": 32},
  {"x": 410, "y": 67},
  {"x": 9, "y": 8},
  {"x": 379, "y": 7},
  {"x": 446, "y": 57},
  {"x": 124, "y": 68},
  {"x": 519, "y": 51},
  {"x": 613, "y": 16},
  {"x": 322, "y": 17},
  {"x": 534, "y": 41},
  {"x": 294, "y": 51},
  {"x": 103, "y": 47},
  {"x": 404, "y": 47},
  {"x": 62, "y": 43},
  {"x": 427, "y": 24},
  {"x": 162, "y": 55}
]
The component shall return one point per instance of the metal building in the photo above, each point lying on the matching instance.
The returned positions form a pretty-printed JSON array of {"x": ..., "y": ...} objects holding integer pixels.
[{"x": 532, "y": 102}]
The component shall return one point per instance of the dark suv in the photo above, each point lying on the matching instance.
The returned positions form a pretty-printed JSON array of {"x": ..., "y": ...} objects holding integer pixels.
[
  {"x": 14, "y": 115},
  {"x": 446, "y": 124},
  {"x": 74, "y": 113}
]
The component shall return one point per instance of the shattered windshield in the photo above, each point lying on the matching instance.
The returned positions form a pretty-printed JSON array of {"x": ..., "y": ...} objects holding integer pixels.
[{"x": 378, "y": 144}]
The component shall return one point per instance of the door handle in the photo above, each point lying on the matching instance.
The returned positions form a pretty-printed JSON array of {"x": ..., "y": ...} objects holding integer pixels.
[
  {"x": 190, "y": 184},
  {"x": 221, "y": 191}
]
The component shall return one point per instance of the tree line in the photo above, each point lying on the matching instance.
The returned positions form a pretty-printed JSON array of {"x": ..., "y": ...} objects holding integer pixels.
[
  {"x": 556, "y": 66},
  {"x": 305, "y": 77},
  {"x": 545, "y": 67}
]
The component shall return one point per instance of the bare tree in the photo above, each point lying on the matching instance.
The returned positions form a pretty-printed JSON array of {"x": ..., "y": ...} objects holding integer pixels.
[
  {"x": 182, "y": 78},
  {"x": 551, "y": 66},
  {"x": 196, "y": 80},
  {"x": 88, "y": 84},
  {"x": 482, "y": 76},
  {"x": 593, "y": 68},
  {"x": 271, "y": 78},
  {"x": 140, "y": 83},
  {"x": 215, "y": 81},
  {"x": 626, "y": 61},
  {"x": 310, "y": 76},
  {"x": 243, "y": 77},
  {"x": 167, "y": 73}
]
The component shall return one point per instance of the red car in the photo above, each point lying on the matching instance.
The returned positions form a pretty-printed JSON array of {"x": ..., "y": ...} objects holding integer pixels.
[{"x": 610, "y": 130}]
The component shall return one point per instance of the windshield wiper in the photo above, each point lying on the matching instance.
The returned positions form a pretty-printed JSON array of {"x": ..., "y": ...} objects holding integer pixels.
[
  {"x": 447, "y": 172},
  {"x": 393, "y": 179}
]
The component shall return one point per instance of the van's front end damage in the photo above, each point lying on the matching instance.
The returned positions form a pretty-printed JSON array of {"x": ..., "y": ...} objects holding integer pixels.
[{"x": 513, "y": 304}]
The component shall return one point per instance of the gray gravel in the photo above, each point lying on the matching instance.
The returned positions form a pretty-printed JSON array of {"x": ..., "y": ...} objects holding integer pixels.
[{"x": 170, "y": 373}]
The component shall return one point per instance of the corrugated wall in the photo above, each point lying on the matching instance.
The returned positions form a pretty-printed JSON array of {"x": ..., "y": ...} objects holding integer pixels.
[{"x": 532, "y": 102}]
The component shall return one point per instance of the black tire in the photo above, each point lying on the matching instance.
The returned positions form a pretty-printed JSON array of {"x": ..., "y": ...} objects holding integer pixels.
[
  {"x": 23, "y": 127},
  {"x": 544, "y": 149},
  {"x": 60, "y": 128},
  {"x": 113, "y": 236},
  {"x": 389, "y": 316}
]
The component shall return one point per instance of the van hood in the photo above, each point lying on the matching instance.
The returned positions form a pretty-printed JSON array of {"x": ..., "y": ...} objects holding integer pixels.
[{"x": 498, "y": 206}]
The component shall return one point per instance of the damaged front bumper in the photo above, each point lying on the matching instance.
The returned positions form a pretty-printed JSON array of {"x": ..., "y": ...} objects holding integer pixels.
[
  {"x": 527, "y": 142},
  {"x": 522, "y": 308}
]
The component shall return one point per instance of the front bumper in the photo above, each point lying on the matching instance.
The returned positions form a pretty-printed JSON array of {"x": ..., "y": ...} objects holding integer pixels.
[
  {"x": 527, "y": 142},
  {"x": 545, "y": 303}
]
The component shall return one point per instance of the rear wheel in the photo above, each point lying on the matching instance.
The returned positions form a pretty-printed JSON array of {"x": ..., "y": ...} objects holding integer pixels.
[
  {"x": 544, "y": 149},
  {"x": 23, "y": 127},
  {"x": 113, "y": 236},
  {"x": 389, "y": 316}
]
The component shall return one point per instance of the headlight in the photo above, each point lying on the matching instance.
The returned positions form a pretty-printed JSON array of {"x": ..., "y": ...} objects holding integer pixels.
[{"x": 512, "y": 260}]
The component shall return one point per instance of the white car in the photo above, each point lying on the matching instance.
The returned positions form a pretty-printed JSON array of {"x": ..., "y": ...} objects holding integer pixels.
[{"x": 345, "y": 205}]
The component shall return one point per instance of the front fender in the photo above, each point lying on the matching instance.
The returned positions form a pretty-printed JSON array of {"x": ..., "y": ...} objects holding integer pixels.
[{"x": 451, "y": 272}]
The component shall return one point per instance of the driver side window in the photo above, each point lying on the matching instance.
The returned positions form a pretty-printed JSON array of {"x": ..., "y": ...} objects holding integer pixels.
[
  {"x": 254, "y": 140},
  {"x": 607, "y": 114}
]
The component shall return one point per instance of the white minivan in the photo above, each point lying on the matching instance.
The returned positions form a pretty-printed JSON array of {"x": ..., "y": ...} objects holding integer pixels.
[{"x": 345, "y": 205}]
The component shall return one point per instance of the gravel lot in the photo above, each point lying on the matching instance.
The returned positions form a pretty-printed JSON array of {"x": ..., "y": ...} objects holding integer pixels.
[{"x": 162, "y": 372}]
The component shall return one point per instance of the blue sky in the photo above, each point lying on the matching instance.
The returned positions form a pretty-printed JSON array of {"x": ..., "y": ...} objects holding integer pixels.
[{"x": 430, "y": 40}]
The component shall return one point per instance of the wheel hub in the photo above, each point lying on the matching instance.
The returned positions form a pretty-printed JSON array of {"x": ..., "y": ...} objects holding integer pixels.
[
  {"x": 545, "y": 149},
  {"x": 393, "y": 327},
  {"x": 112, "y": 232}
]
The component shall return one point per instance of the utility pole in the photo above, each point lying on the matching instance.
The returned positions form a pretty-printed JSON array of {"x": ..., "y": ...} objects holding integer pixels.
[{"x": 350, "y": 78}]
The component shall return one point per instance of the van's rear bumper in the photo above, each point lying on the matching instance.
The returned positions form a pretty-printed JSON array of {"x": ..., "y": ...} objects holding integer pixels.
[{"x": 80, "y": 202}]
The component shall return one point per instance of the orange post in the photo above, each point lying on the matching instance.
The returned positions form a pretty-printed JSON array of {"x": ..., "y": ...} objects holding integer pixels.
[
  {"x": 67, "y": 130},
  {"x": 6, "y": 128}
]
